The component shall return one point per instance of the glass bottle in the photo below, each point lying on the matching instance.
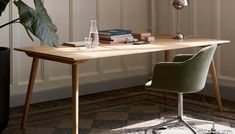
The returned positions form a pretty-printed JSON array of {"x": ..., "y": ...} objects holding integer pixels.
[{"x": 94, "y": 34}]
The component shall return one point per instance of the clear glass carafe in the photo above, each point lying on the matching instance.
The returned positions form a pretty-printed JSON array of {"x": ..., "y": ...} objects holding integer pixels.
[{"x": 94, "y": 34}]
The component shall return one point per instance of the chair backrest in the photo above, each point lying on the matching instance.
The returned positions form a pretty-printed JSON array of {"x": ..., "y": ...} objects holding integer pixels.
[
  {"x": 183, "y": 77},
  {"x": 199, "y": 66}
]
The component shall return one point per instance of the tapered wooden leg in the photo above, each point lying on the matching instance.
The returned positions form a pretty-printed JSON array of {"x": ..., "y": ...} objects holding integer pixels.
[
  {"x": 75, "y": 98},
  {"x": 215, "y": 85},
  {"x": 167, "y": 55},
  {"x": 29, "y": 91}
]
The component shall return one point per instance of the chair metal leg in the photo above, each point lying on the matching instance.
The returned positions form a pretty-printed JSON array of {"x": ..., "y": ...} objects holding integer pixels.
[
  {"x": 163, "y": 124},
  {"x": 180, "y": 113},
  {"x": 187, "y": 125},
  {"x": 181, "y": 118},
  {"x": 198, "y": 120}
]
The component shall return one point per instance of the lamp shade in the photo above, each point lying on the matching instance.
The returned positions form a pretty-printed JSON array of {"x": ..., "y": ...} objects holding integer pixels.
[{"x": 179, "y": 4}]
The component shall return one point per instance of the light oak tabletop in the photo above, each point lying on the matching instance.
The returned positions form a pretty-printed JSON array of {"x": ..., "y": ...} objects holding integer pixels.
[{"x": 76, "y": 54}]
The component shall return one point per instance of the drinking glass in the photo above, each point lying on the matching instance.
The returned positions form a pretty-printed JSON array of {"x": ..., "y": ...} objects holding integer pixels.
[{"x": 88, "y": 42}]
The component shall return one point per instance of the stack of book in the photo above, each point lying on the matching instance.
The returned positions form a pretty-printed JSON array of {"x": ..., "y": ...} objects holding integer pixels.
[{"x": 112, "y": 36}]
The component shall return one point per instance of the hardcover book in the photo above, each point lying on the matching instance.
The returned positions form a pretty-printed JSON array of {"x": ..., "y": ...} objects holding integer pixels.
[
  {"x": 116, "y": 40},
  {"x": 112, "y": 32},
  {"x": 141, "y": 36},
  {"x": 107, "y": 37}
]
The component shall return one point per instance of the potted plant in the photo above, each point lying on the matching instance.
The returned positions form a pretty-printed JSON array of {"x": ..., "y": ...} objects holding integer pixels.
[
  {"x": 4, "y": 86},
  {"x": 35, "y": 21}
]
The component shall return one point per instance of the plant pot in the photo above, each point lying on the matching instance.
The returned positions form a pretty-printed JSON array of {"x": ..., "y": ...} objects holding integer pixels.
[{"x": 4, "y": 86}]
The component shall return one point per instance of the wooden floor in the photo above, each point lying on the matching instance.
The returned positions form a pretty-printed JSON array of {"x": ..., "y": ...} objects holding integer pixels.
[{"x": 106, "y": 112}]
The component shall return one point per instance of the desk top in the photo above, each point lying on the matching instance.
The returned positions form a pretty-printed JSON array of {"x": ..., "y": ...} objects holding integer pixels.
[{"x": 74, "y": 55}]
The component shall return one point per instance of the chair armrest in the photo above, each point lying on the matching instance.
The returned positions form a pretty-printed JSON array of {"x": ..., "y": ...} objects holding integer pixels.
[
  {"x": 182, "y": 57},
  {"x": 171, "y": 76},
  {"x": 166, "y": 75}
]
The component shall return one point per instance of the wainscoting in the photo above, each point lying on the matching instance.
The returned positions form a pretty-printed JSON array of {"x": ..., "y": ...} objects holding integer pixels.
[
  {"x": 211, "y": 18},
  {"x": 72, "y": 17}
]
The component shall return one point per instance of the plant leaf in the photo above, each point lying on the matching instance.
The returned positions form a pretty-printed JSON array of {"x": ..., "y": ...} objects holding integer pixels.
[
  {"x": 3, "y": 4},
  {"x": 38, "y": 22},
  {"x": 28, "y": 33}
]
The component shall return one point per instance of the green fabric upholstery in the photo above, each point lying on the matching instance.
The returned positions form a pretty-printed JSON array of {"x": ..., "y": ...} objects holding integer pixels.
[
  {"x": 186, "y": 74},
  {"x": 182, "y": 57}
]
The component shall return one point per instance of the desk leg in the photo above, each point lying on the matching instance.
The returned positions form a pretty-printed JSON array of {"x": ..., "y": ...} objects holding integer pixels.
[
  {"x": 167, "y": 55},
  {"x": 29, "y": 91},
  {"x": 215, "y": 85},
  {"x": 75, "y": 98}
]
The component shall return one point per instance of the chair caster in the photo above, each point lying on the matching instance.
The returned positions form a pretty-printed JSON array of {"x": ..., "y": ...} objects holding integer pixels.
[
  {"x": 154, "y": 132},
  {"x": 162, "y": 128},
  {"x": 213, "y": 131}
]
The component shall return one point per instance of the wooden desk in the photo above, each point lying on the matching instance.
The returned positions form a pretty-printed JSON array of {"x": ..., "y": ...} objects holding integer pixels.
[{"x": 76, "y": 55}]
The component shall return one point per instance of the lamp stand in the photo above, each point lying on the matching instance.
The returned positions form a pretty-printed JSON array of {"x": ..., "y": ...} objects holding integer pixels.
[{"x": 178, "y": 35}]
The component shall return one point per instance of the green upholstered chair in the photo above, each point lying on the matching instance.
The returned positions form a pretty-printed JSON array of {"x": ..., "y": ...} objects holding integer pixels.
[{"x": 186, "y": 74}]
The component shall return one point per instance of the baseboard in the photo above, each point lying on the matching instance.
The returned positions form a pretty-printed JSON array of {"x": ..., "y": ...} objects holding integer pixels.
[
  {"x": 65, "y": 92},
  {"x": 227, "y": 92}
]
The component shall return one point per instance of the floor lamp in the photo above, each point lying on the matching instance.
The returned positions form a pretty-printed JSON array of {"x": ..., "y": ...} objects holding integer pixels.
[{"x": 178, "y": 5}]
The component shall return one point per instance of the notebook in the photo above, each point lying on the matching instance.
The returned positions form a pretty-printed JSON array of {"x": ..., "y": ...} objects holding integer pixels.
[{"x": 74, "y": 44}]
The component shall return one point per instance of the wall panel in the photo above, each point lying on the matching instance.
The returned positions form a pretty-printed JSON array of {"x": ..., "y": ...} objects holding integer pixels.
[
  {"x": 110, "y": 65},
  {"x": 141, "y": 62},
  {"x": 4, "y": 36},
  {"x": 87, "y": 11},
  {"x": 135, "y": 17},
  {"x": 61, "y": 18},
  {"x": 73, "y": 22},
  {"x": 211, "y": 19},
  {"x": 163, "y": 17},
  {"x": 21, "y": 39},
  {"x": 205, "y": 18},
  {"x": 89, "y": 67},
  {"x": 110, "y": 14},
  {"x": 21, "y": 63},
  {"x": 227, "y": 32},
  {"x": 118, "y": 14}
]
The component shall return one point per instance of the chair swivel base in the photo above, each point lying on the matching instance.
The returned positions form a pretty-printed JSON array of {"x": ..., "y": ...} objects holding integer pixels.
[{"x": 180, "y": 119}]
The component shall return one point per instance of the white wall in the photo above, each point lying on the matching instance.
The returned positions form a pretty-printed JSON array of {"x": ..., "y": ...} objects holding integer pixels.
[
  {"x": 205, "y": 18},
  {"x": 72, "y": 18}
]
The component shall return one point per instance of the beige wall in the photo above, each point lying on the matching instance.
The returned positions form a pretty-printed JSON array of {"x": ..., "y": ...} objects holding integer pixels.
[
  {"x": 72, "y": 18},
  {"x": 205, "y": 18}
]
